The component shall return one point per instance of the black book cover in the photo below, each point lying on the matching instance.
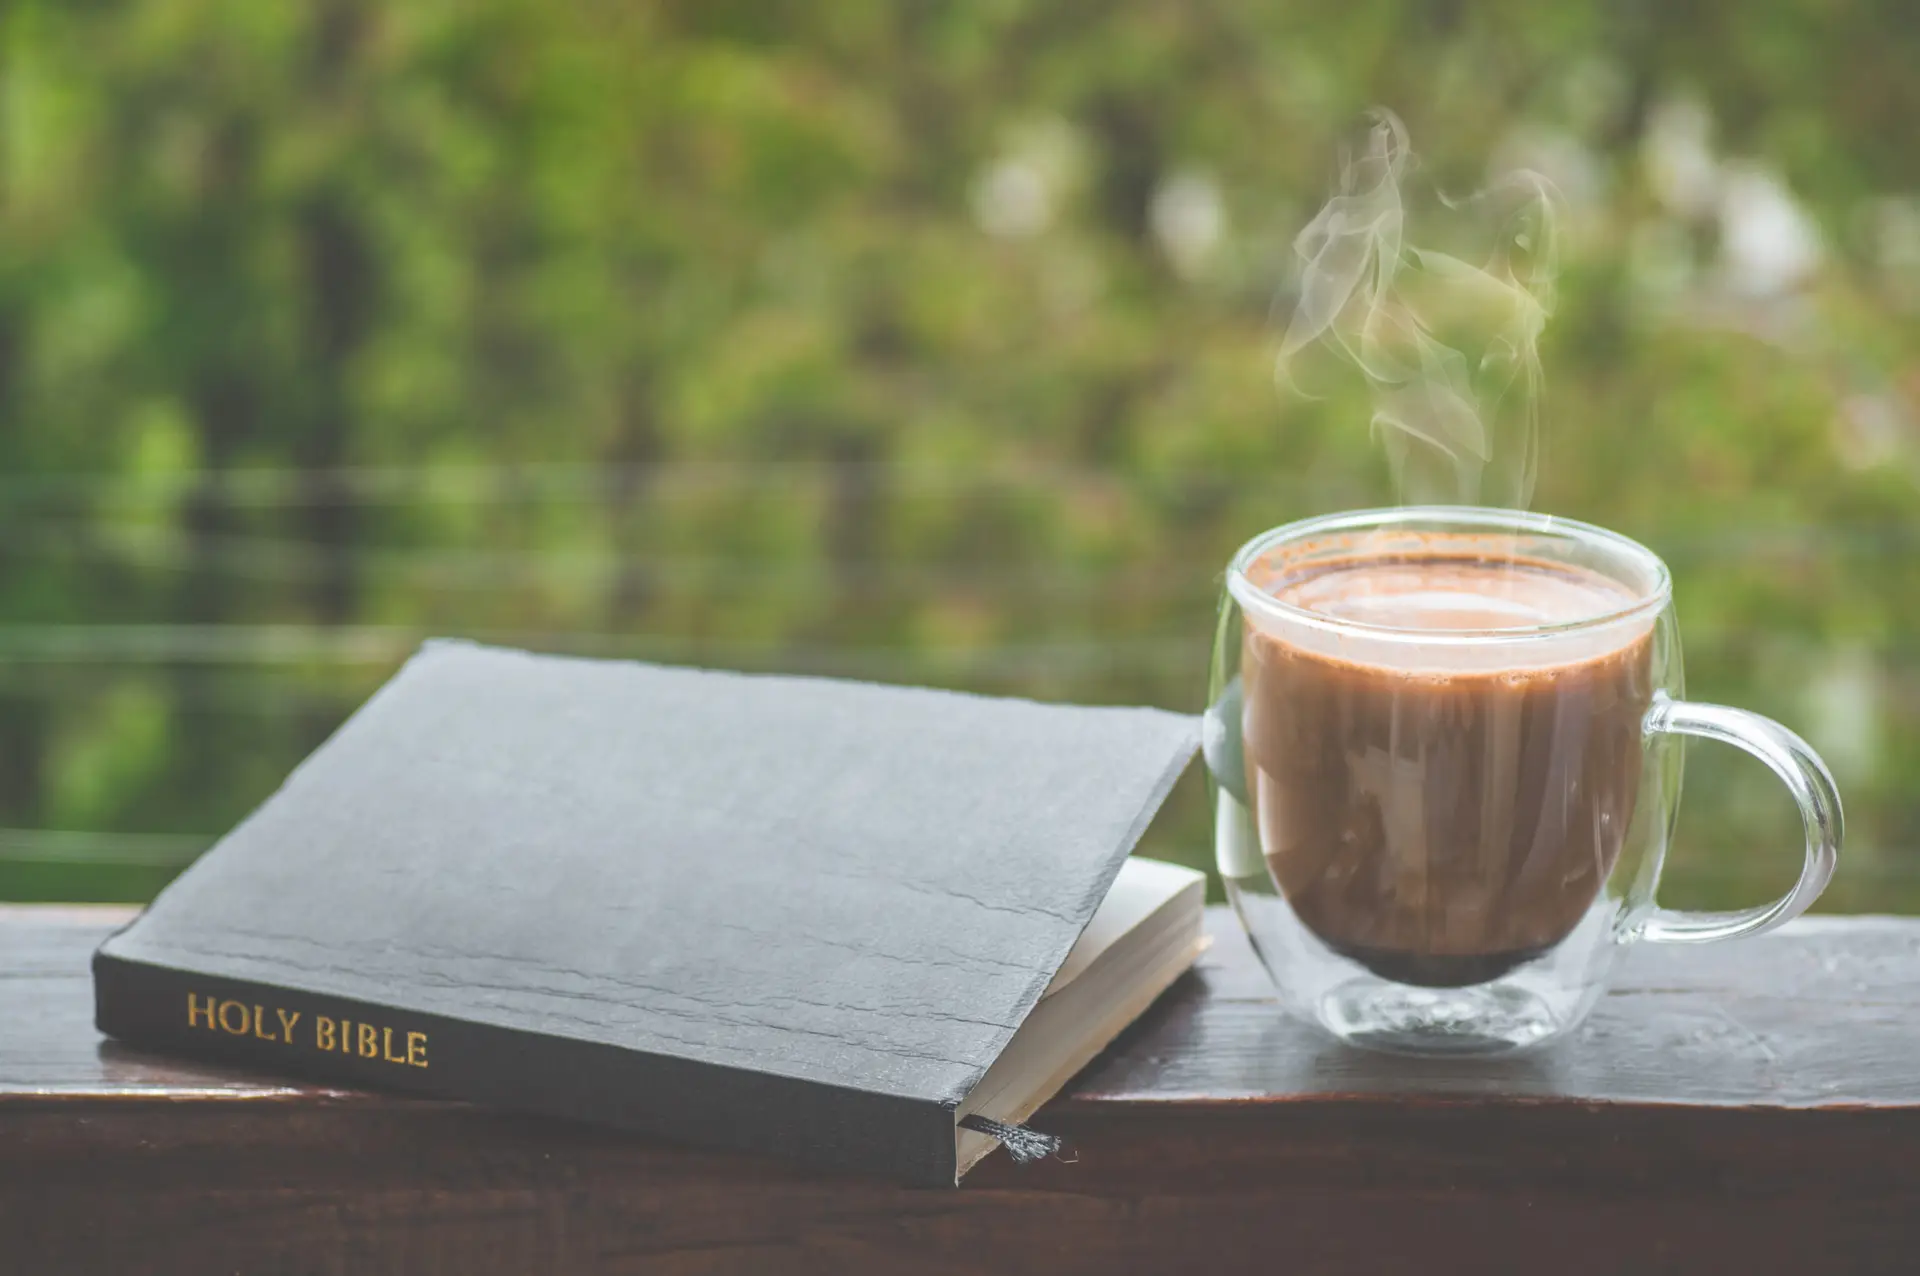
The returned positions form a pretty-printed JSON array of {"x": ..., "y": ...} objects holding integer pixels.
[{"x": 788, "y": 914}]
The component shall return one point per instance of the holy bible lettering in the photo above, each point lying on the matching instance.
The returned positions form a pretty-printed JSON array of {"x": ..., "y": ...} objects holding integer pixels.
[{"x": 324, "y": 1033}]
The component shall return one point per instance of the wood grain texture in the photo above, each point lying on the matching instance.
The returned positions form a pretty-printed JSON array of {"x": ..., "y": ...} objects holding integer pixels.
[{"x": 1748, "y": 1107}]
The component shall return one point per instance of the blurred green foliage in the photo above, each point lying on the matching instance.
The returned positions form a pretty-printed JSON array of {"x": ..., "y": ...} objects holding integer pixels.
[{"x": 921, "y": 342}]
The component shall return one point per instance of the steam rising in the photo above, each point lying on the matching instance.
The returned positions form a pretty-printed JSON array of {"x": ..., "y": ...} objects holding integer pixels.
[{"x": 1449, "y": 350}]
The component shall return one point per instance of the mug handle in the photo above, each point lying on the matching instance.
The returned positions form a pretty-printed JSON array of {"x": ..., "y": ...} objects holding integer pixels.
[{"x": 1806, "y": 778}]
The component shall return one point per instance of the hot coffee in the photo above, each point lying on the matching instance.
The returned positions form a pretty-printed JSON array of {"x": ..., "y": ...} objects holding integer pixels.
[
  {"x": 1445, "y": 746},
  {"x": 1434, "y": 814}
]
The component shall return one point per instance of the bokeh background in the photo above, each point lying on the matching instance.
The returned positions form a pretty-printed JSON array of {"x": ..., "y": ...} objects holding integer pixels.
[{"x": 920, "y": 342}]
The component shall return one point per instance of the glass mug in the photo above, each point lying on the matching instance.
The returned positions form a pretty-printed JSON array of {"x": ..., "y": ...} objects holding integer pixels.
[{"x": 1445, "y": 751}]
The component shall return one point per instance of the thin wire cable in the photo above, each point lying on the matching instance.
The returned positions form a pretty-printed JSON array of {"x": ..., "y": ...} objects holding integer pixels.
[
  {"x": 283, "y": 487},
  {"x": 301, "y": 562},
  {"x": 269, "y": 644}
]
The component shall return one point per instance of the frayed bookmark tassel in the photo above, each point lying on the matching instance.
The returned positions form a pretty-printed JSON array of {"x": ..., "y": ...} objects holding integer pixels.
[{"x": 1023, "y": 1145}]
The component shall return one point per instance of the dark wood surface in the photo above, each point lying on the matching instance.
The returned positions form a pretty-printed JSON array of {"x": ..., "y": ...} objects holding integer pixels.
[{"x": 1744, "y": 1107}]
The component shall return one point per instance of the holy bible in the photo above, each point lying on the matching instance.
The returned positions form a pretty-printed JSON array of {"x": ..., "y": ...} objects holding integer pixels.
[{"x": 826, "y": 920}]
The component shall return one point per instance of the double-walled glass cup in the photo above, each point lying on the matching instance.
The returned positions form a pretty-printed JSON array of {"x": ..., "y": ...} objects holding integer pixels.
[{"x": 1439, "y": 836}]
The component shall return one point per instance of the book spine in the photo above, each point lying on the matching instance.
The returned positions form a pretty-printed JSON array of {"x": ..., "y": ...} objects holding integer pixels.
[{"x": 337, "y": 1040}]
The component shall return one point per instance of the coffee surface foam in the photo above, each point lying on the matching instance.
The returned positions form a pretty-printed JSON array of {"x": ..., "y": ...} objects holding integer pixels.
[
  {"x": 1451, "y": 594},
  {"x": 1532, "y": 612}
]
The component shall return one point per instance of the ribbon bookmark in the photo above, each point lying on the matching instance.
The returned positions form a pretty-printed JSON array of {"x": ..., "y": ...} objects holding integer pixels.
[{"x": 1023, "y": 1145}]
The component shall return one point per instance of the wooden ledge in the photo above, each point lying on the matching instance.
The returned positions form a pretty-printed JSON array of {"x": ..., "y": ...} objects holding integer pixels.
[{"x": 1743, "y": 1107}]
